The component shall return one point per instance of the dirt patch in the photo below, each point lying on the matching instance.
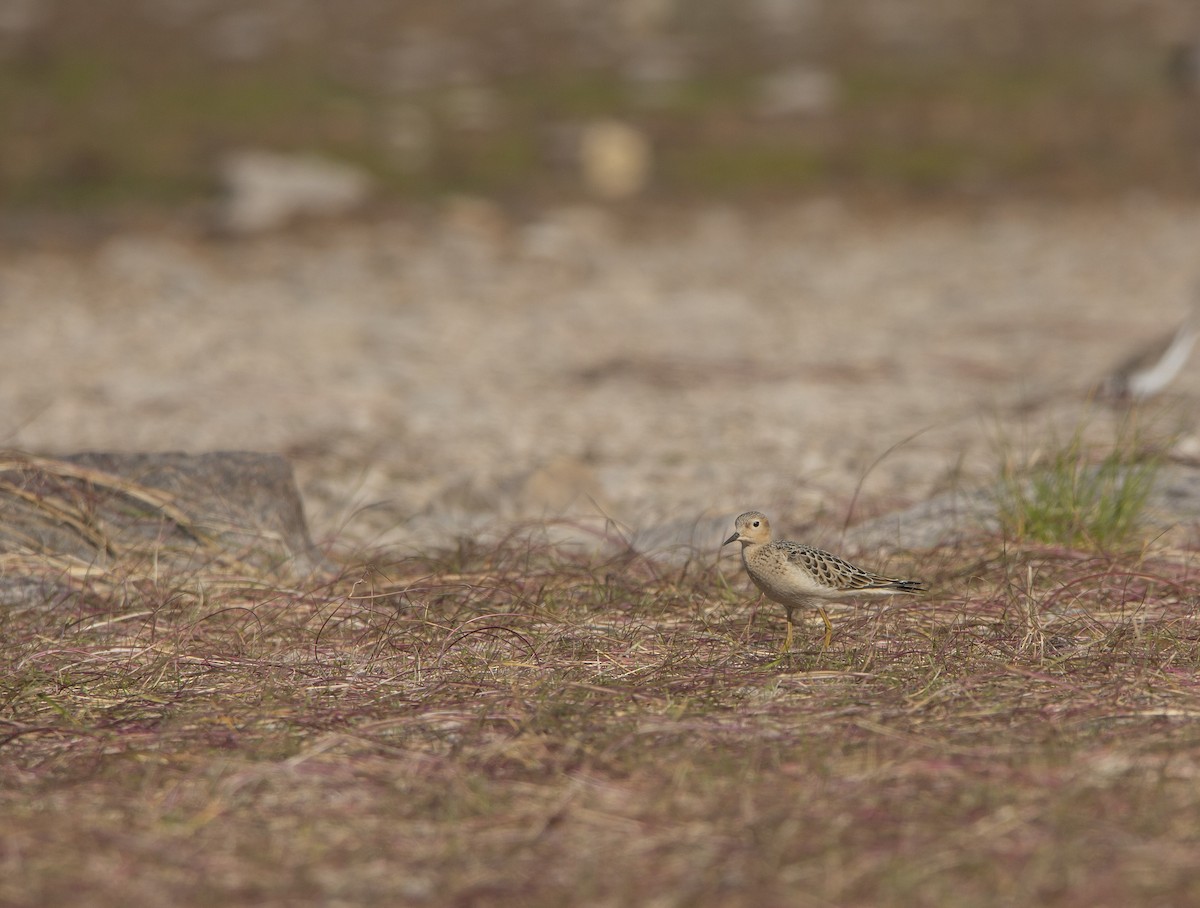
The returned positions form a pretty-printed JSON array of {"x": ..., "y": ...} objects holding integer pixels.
[{"x": 430, "y": 377}]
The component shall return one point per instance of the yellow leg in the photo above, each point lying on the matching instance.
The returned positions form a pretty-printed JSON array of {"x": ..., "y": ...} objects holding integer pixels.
[
  {"x": 828, "y": 627},
  {"x": 787, "y": 641}
]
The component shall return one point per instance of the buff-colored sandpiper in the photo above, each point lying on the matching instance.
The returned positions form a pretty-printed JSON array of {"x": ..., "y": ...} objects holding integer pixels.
[{"x": 796, "y": 575}]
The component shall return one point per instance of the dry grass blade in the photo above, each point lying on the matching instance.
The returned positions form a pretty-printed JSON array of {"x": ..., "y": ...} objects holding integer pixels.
[
  {"x": 60, "y": 514},
  {"x": 158, "y": 500},
  {"x": 507, "y": 725},
  {"x": 122, "y": 525}
]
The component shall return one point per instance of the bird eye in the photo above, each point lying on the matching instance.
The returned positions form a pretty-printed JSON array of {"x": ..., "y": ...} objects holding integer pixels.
[{"x": 756, "y": 523}]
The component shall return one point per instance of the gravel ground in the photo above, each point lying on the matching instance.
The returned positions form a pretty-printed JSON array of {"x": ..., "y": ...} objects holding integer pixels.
[{"x": 441, "y": 374}]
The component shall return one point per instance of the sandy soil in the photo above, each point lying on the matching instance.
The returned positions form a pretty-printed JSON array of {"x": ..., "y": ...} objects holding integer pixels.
[{"x": 431, "y": 376}]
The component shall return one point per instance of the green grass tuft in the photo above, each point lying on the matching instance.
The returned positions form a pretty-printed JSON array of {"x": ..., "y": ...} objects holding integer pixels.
[{"x": 1071, "y": 496}]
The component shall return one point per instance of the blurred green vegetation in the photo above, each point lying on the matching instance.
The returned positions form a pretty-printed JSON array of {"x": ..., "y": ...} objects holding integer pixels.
[
  {"x": 1074, "y": 499},
  {"x": 104, "y": 106}
]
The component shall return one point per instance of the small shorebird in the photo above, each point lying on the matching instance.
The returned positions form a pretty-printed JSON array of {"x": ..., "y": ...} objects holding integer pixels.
[
  {"x": 1149, "y": 371},
  {"x": 796, "y": 575}
]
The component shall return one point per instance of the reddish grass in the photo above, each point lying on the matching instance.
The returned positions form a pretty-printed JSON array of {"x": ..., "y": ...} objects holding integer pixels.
[{"x": 519, "y": 727}]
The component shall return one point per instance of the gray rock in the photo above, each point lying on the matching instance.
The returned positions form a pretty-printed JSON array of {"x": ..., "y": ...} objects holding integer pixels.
[
  {"x": 945, "y": 519},
  {"x": 266, "y": 191},
  {"x": 683, "y": 540},
  {"x": 232, "y": 511},
  {"x": 799, "y": 91}
]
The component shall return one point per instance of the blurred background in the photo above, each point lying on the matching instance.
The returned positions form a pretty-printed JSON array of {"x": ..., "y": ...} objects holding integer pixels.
[
  {"x": 638, "y": 259},
  {"x": 143, "y": 102}
]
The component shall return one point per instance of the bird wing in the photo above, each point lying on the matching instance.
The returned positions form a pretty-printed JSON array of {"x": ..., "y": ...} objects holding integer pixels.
[{"x": 840, "y": 574}]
